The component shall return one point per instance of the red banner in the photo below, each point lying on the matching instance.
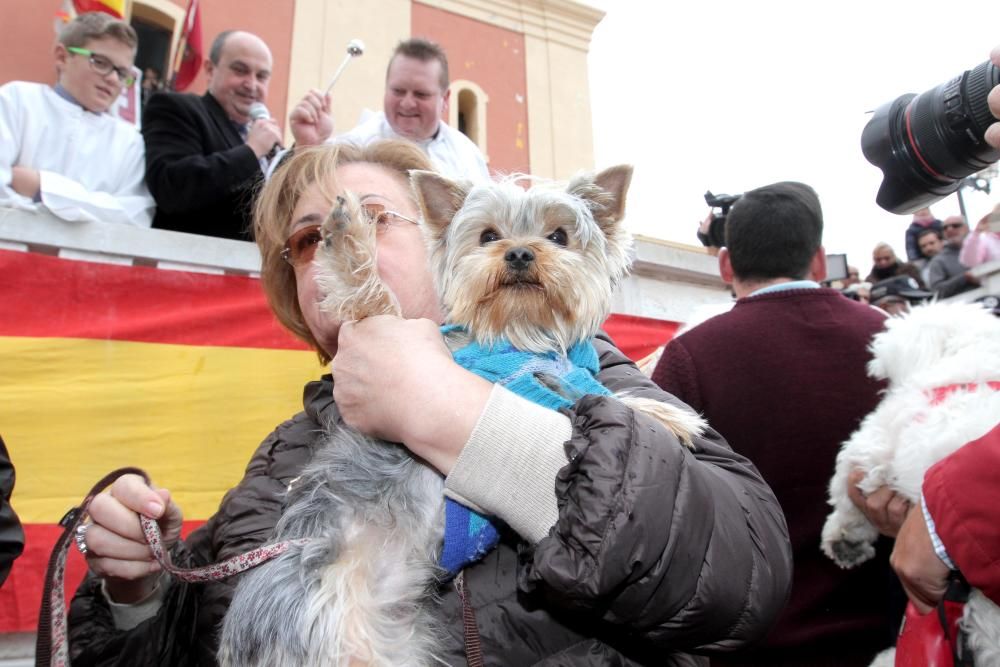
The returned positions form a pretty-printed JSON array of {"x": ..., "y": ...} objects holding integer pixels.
[{"x": 189, "y": 47}]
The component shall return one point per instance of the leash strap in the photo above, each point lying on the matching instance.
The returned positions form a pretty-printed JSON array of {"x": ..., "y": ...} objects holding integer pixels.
[
  {"x": 51, "y": 646},
  {"x": 956, "y": 595},
  {"x": 470, "y": 631}
]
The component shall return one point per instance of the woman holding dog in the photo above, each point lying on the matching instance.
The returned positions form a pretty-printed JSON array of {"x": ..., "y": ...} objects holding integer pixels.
[{"x": 630, "y": 550}]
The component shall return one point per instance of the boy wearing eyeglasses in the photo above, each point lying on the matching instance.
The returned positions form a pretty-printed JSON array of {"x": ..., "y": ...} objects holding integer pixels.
[{"x": 60, "y": 149}]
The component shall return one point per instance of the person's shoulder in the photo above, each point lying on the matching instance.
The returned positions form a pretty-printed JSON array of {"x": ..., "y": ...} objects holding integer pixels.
[
  {"x": 459, "y": 138},
  {"x": 32, "y": 86},
  {"x": 368, "y": 129},
  {"x": 710, "y": 331},
  {"x": 23, "y": 90},
  {"x": 940, "y": 259},
  {"x": 169, "y": 101}
]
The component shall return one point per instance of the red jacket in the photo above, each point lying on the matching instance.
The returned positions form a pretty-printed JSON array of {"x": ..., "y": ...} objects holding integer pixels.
[{"x": 960, "y": 492}]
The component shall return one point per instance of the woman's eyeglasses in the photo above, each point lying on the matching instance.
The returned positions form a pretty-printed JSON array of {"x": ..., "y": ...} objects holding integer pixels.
[
  {"x": 301, "y": 246},
  {"x": 103, "y": 66}
]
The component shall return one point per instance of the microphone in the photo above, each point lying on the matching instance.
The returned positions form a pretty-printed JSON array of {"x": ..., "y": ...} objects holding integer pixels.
[
  {"x": 355, "y": 48},
  {"x": 258, "y": 111}
]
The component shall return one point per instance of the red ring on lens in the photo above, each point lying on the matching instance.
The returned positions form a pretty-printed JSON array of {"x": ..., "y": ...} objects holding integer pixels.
[{"x": 913, "y": 145}]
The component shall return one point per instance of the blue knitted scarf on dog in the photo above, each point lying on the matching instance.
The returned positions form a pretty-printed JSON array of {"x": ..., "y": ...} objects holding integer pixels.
[{"x": 468, "y": 535}]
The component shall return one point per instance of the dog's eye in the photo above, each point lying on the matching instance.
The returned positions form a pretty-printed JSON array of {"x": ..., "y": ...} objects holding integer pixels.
[
  {"x": 489, "y": 236},
  {"x": 559, "y": 237}
]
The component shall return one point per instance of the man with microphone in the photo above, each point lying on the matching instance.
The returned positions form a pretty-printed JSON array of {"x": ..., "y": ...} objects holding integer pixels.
[{"x": 205, "y": 155}]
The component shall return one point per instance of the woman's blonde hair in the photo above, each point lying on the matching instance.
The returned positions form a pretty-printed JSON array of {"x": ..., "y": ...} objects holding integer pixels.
[{"x": 280, "y": 195}]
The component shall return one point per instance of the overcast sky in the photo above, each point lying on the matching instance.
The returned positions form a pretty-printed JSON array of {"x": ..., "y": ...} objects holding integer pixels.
[{"x": 726, "y": 96}]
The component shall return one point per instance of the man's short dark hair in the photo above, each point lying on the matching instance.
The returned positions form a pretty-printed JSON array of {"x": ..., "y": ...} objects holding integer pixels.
[
  {"x": 96, "y": 25},
  {"x": 774, "y": 231},
  {"x": 425, "y": 51},
  {"x": 929, "y": 230},
  {"x": 219, "y": 43}
]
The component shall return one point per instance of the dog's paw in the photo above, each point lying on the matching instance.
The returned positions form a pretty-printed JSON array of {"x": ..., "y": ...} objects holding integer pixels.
[
  {"x": 848, "y": 553},
  {"x": 348, "y": 272},
  {"x": 348, "y": 247}
]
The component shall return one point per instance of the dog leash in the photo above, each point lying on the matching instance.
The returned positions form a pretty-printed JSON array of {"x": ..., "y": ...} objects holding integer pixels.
[
  {"x": 51, "y": 646},
  {"x": 470, "y": 630}
]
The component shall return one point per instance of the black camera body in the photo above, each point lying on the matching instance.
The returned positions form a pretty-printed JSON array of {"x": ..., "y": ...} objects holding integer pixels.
[
  {"x": 926, "y": 144},
  {"x": 716, "y": 235}
]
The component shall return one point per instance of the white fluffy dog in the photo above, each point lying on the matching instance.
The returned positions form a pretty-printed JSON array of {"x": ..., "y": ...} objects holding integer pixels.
[{"x": 938, "y": 361}]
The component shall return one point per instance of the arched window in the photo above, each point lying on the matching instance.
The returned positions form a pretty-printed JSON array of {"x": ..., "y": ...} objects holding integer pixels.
[{"x": 467, "y": 111}]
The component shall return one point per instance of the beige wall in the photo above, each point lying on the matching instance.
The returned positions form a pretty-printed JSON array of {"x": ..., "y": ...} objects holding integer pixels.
[
  {"x": 556, "y": 38},
  {"x": 322, "y": 30},
  {"x": 493, "y": 58},
  {"x": 29, "y": 35}
]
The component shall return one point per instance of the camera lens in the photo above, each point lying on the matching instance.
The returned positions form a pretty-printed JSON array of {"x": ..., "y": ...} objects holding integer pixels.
[{"x": 926, "y": 144}]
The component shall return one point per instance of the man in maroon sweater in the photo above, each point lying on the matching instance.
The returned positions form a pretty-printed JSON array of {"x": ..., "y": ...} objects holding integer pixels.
[{"x": 782, "y": 377}]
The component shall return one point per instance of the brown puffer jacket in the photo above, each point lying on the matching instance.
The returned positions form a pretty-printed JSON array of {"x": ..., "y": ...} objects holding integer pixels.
[
  {"x": 658, "y": 552},
  {"x": 11, "y": 533}
]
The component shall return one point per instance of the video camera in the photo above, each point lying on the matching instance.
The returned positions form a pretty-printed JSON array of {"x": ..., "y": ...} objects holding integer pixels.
[
  {"x": 927, "y": 144},
  {"x": 716, "y": 234}
]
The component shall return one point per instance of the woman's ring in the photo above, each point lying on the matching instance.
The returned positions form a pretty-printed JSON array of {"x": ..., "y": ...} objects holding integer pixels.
[{"x": 81, "y": 537}]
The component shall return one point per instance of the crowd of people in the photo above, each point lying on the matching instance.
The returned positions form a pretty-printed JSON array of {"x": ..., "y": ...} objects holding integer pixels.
[
  {"x": 618, "y": 545},
  {"x": 940, "y": 259}
]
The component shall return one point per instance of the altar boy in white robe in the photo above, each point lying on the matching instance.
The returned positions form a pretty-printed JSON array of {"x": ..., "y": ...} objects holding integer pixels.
[{"x": 59, "y": 148}]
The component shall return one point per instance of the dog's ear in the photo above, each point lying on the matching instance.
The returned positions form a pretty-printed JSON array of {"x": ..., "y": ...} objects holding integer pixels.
[
  {"x": 604, "y": 194},
  {"x": 439, "y": 199}
]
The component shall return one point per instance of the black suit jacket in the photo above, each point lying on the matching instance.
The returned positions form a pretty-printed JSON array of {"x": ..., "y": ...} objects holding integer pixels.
[{"x": 198, "y": 169}]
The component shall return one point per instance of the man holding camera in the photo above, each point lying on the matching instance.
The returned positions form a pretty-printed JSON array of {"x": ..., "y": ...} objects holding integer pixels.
[{"x": 782, "y": 377}]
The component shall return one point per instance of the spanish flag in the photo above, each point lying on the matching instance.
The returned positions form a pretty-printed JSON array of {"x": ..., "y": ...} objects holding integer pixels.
[
  {"x": 117, "y": 8},
  {"x": 180, "y": 374}
]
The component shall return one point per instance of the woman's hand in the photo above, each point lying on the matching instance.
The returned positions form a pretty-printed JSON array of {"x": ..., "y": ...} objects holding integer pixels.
[
  {"x": 116, "y": 547},
  {"x": 395, "y": 379}
]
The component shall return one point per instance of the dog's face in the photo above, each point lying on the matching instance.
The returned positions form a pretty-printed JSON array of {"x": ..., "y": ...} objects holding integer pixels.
[{"x": 535, "y": 266}]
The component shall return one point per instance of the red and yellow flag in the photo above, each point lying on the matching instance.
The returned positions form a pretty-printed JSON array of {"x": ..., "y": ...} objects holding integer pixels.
[
  {"x": 181, "y": 374},
  {"x": 116, "y": 8}
]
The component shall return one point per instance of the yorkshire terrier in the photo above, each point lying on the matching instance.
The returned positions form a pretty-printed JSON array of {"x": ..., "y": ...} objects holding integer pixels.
[{"x": 524, "y": 273}]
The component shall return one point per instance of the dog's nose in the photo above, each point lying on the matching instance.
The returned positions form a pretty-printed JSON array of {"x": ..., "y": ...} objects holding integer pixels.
[{"x": 519, "y": 258}]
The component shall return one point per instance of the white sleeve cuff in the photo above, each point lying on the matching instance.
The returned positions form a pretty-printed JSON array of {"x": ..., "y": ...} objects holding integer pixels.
[
  {"x": 508, "y": 467},
  {"x": 939, "y": 549},
  {"x": 127, "y": 616}
]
